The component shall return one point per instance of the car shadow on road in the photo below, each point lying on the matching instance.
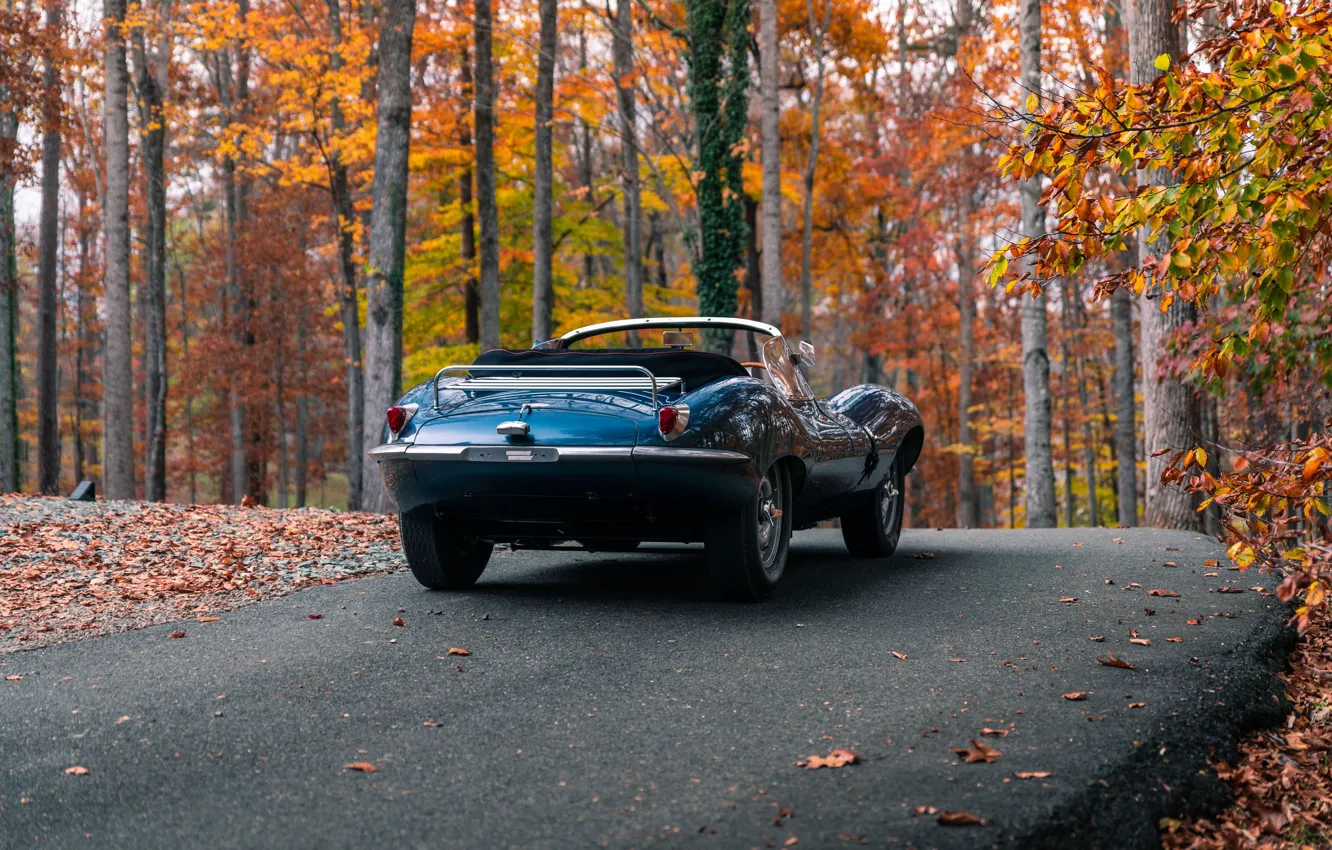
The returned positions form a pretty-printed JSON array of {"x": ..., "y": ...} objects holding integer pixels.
[{"x": 819, "y": 570}]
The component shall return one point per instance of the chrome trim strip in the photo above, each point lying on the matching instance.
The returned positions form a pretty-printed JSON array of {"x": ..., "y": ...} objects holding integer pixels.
[
  {"x": 436, "y": 452},
  {"x": 672, "y": 453},
  {"x": 582, "y": 453},
  {"x": 388, "y": 450},
  {"x": 667, "y": 322}
]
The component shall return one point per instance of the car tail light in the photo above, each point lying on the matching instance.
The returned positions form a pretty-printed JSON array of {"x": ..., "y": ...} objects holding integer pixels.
[
  {"x": 672, "y": 420},
  {"x": 397, "y": 418}
]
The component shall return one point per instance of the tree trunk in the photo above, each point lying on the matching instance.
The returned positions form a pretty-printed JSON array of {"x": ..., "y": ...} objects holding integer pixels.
[
  {"x": 48, "y": 387},
  {"x": 150, "y": 75},
  {"x": 1170, "y": 409},
  {"x": 9, "y": 366},
  {"x": 968, "y": 512},
  {"x": 388, "y": 238},
  {"x": 543, "y": 292},
  {"x": 774, "y": 293},
  {"x": 811, "y": 168},
  {"x": 585, "y": 177},
  {"x": 1035, "y": 354},
  {"x": 1126, "y": 441},
  {"x": 471, "y": 298},
  {"x": 485, "y": 179},
  {"x": 117, "y": 369},
  {"x": 623, "y": 49},
  {"x": 343, "y": 220}
]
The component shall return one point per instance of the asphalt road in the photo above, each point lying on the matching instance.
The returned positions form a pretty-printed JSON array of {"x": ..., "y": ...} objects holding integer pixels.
[{"x": 609, "y": 701}]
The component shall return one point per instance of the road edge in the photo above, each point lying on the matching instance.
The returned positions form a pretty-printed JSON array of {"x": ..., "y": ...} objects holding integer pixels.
[{"x": 1144, "y": 787}]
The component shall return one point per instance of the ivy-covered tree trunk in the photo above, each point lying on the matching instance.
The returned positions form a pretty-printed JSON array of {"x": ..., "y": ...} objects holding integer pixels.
[{"x": 718, "y": 95}]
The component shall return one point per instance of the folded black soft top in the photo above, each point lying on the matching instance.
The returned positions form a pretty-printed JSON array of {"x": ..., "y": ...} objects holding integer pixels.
[{"x": 695, "y": 368}]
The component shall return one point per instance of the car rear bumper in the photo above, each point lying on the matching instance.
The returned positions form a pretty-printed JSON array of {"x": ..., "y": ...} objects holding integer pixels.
[{"x": 518, "y": 491}]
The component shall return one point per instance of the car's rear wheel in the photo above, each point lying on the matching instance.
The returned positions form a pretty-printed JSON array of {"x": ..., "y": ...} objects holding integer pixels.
[
  {"x": 873, "y": 525},
  {"x": 440, "y": 555},
  {"x": 747, "y": 549}
]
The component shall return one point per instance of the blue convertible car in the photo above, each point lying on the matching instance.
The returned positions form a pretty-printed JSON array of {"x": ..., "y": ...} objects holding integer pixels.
[{"x": 611, "y": 447}]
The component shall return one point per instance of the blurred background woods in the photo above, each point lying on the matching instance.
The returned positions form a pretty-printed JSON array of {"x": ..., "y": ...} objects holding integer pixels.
[{"x": 232, "y": 232}]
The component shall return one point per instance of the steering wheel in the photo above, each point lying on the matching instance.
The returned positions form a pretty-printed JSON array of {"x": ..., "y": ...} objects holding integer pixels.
[{"x": 749, "y": 364}]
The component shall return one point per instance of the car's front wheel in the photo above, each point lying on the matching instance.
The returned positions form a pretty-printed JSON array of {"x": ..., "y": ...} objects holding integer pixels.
[
  {"x": 873, "y": 525},
  {"x": 747, "y": 549},
  {"x": 440, "y": 555}
]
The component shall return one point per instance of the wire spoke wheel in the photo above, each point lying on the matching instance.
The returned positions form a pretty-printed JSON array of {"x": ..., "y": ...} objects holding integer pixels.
[{"x": 770, "y": 510}]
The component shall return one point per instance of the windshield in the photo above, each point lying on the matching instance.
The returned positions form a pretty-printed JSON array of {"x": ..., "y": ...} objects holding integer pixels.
[{"x": 781, "y": 372}]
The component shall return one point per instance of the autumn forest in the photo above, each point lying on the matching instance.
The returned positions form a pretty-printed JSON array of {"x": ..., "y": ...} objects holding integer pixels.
[{"x": 232, "y": 231}]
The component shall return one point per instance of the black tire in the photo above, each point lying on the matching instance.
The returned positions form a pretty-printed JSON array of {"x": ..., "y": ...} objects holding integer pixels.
[
  {"x": 747, "y": 549},
  {"x": 873, "y": 525},
  {"x": 610, "y": 545},
  {"x": 441, "y": 557}
]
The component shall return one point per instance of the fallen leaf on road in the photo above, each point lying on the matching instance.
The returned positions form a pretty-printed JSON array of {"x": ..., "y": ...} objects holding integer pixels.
[
  {"x": 1136, "y": 704},
  {"x": 208, "y": 619},
  {"x": 458, "y": 650},
  {"x": 1197, "y": 622},
  {"x": 957, "y": 660},
  {"x": 977, "y": 752},
  {"x": 1162, "y": 593},
  {"x": 1117, "y": 539},
  {"x": 1212, "y": 575},
  {"x": 1229, "y": 589},
  {"x": 961, "y": 819},
  {"x": 790, "y": 841},
  {"x": 1133, "y": 585},
  {"x": 900, "y": 656},
  {"x": 1097, "y": 638},
  {"x": 1076, "y": 696},
  {"x": 77, "y": 770},
  {"x": 1111, "y": 661},
  {"x": 362, "y": 766},
  {"x": 855, "y": 839},
  {"x": 397, "y": 621},
  {"x": 836, "y": 758},
  {"x": 122, "y": 719},
  {"x": 1033, "y": 774},
  {"x": 176, "y": 635},
  {"x": 1068, "y": 599},
  {"x": 1175, "y": 640},
  {"x": 1140, "y": 641},
  {"x": 431, "y": 723},
  {"x": 14, "y": 678},
  {"x": 996, "y": 733},
  {"x": 1149, "y": 611},
  {"x": 1210, "y": 562},
  {"x": 925, "y": 810},
  {"x": 1170, "y": 564},
  {"x": 314, "y": 616}
]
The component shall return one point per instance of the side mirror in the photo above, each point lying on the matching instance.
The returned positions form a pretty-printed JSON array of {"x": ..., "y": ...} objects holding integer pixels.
[{"x": 806, "y": 349}]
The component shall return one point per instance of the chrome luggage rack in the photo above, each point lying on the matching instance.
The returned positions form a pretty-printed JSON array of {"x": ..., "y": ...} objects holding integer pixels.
[{"x": 510, "y": 378}]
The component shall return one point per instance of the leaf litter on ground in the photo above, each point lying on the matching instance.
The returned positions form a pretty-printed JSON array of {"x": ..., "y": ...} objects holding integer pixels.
[{"x": 78, "y": 569}]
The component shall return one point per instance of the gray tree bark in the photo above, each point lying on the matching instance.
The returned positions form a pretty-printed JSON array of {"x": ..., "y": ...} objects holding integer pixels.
[
  {"x": 1126, "y": 440},
  {"x": 48, "y": 240},
  {"x": 9, "y": 366},
  {"x": 1040, "y": 502},
  {"x": 485, "y": 178},
  {"x": 151, "y": 80},
  {"x": 774, "y": 292},
  {"x": 1170, "y": 408},
  {"x": 811, "y": 168},
  {"x": 968, "y": 505},
  {"x": 117, "y": 374},
  {"x": 623, "y": 49},
  {"x": 343, "y": 220},
  {"x": 543, "y": 292},
  {"x": 388, "y": 238}
]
